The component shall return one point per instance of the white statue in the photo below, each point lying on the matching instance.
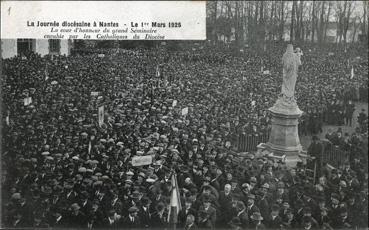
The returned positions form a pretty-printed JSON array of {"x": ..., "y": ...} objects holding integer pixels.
[{"x": 291, "y": 62}]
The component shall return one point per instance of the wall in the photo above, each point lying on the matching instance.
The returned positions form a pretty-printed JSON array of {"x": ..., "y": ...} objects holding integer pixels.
[
  {"x": 8, "y": 48},
  {"x": 65, "y": 47},
  {"x": 42, "y": 46}
]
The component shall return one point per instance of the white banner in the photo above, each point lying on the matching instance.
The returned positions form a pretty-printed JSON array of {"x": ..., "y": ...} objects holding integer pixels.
[
  {"x": 122, "y": 20},
  {"x": 141, "y": 160}
]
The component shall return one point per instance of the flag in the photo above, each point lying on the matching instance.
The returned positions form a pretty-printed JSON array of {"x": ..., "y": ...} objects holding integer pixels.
[
  {"x": 175, "y": 202},
  {"x": 7, "y": 119},
  {"x": 352, "y": 73},
  {"x": 89, "y": 147},
  {"x": 157, "y": 71},
  {"x": 46, "y": 73}
]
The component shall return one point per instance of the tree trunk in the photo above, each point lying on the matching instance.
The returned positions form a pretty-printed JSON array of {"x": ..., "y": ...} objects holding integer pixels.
[
  {"x": 215, "y": 21},
  {"x": 302, "y": 21},
  {"x": 236, "y": 25},
  {"x": 250, "y": 22},
  {"x": 297, "y": 29},
  {"x": 292, "y": 20},
  {"x": 347, "y": 22},
  {"x": 271, "y": 23},
  {"x": 275, "y": 27},
  {"x": 281, "y": 32},
  {"x": 354, "y": 32},
  {"x": 363, "y": 28},
  {"x": 327, "y": 21},
  {"x": 321, "y": 26},
  {"x": 342, "y": 21},
  {"x": 313, "y": 23},
  {"x": 261, "y": 27}
]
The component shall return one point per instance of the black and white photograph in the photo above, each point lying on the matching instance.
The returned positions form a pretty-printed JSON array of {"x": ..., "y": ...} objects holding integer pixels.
[{"x": 263, "y": 124}]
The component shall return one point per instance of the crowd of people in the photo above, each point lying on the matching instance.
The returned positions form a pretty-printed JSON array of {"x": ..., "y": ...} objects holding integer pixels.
[{"x": 61, "y": 168}]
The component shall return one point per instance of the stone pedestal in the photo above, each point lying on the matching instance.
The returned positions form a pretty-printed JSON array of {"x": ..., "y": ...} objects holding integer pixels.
[{"x": 284, "y": 140}]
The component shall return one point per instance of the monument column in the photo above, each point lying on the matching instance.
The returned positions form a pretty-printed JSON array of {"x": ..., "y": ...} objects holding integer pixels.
[{"x": 284, "y": 139}]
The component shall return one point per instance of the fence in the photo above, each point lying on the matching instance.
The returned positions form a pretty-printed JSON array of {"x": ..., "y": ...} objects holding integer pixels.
[
  {"x": 249, "y": 142},
  {"x": 334, "y": 156}
]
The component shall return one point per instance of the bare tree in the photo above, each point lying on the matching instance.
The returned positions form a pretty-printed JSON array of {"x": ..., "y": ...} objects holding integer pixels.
[
  {"x": 313, "y": 22},
  {"x": 321, "y": 22},
  {"x": 365, "y": 18},
  {"x": 347, "y": 17},
  {"x": 282, "y": 20},
  {"x": 327, "y": 20},
  {"x": 356, "y": 22},
  {"x": 294, "y": 4}
]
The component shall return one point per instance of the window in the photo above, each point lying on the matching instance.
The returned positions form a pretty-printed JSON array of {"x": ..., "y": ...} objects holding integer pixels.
[
  {"x": 54, "y": 46},
  {"x": 24, "y": 46}
]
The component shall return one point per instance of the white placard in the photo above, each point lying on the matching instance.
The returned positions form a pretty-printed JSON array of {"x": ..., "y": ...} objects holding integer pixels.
[
  {"x": 122, "y": 20},
  {"x": 101, "y": 115},
  {"x": 185, "y": 111},
  {"x": 141, "y": 160},
  {"x": 27, "y": 100},
  {"x": 174, "y": 103}
]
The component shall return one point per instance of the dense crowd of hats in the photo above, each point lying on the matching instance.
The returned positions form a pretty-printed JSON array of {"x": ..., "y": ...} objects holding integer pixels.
[{"x": 63, "y": 170}]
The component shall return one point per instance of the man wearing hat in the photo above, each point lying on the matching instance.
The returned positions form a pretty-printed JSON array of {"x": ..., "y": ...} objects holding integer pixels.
[
  {"x": 190, "y": 222},
  {"x": 111, "y": 221},
  {"x": 187, "y": 210},
  {"x": 84, "y": 203},
  {"x": 207, "y": 214},
  {"x": 225, "y": 202},
  {"x": 75, "y": 217},
  {"x": 132, "y": 220},
  {"x": 274, "y": 221},
  {"x": 95, "y": 215},
  {"x": 315, "y": 150},
  {"x": 251, "y": 207},
  {"x": 159, "y": 217},
  {"x": 69, "y": 196},
  {"x": 144, "y": 212},
  {"x": 256, "y": 221}
]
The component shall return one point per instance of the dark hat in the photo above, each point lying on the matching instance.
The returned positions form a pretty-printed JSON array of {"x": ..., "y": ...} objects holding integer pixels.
[
  {"x": 307, "y": 210},
  {"x": 145, "y": 201},
  {"x": 16, "y": 196},
  {"x": 275, "y": 208},
  {"x": 335, "y": 196},
  {"x": 343, "y": 210},
  {"x": 251, "y": 196},
  {"x": 75, "y": 206},
  {"x": 133, "y": 209},
  {"x": 160, "y": 206},
  {"x": 280, "y": 184},
  {"x": 135, "y": 194},
  {"x": 265, "y": 185}
]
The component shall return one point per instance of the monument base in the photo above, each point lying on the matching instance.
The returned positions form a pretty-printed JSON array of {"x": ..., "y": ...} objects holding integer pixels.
[
  {"x": 290, "y": 160},
  {"x": 284, "y": 139}
]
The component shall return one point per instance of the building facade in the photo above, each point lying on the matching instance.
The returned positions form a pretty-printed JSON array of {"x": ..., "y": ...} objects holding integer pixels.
[{"x": 14, "y": 47}]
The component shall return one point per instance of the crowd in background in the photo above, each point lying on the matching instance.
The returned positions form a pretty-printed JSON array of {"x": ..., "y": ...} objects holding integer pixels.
[{"x": 61, "y": 169}]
